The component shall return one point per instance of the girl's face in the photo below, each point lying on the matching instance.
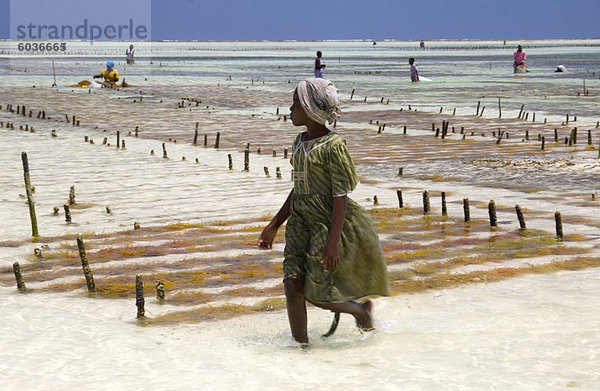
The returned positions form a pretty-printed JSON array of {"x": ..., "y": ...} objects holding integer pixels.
[{"x": 298, "y": 115}]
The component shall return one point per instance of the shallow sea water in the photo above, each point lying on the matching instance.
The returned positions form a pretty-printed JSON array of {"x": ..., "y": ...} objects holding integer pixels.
[
  {"x": 538, "y": 332},
  {"x": 531, "y": 333}
]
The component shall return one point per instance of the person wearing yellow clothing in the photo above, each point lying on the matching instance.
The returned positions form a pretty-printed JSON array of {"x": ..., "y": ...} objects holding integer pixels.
[{"x": 110, "y": 75}]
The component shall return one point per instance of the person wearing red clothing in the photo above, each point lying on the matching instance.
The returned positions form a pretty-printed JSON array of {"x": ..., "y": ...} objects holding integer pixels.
[{"x": 319, "y": 66}]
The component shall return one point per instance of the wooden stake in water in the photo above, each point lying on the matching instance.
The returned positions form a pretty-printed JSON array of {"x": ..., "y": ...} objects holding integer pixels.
[
  {"x": 217, "y": 139},
  {"x": 521, "y": 111},
  {"x": 477, "y": 112},
  {"x": 87, "y": 271},
  {"x": 559, "y": 229},
  {"x": 492, "y": 214},
  {"x": 139, "y": 296},
  {"x": 160, "y": 290},
  {"x": 67, "y": 213},
  {"x": 196, "y": 134},
  {"x": 466, "y": 209},
  {"x": 230, "y": 161},
  {"x": 247, "y": 159},
  {"x": 520, "y": 217},
  {"x": 499, "y": 109},
  {"x": 32, "y": 216},
  {"x": 53, "y": 73},
  {"x": 444, "y": 210},
  {"x": 400, "y": 200},
  {"x": 164, "y": 147},
  {"x": 72, "y": 195},
  {"x": 426, "y": 207},
  {"x": 18, "y": 276},
  {"x": 118, "y": 139}
]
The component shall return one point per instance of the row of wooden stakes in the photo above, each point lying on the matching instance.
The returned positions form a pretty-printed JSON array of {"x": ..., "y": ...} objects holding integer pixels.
[
  {"x": 91, "y": 285},
  {"x": 491, "y": 211},
  {"x": 160, "y": 289}
]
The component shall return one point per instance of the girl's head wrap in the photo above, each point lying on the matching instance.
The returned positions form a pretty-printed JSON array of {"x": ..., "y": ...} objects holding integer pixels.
[{"x": 319, "y": 100}]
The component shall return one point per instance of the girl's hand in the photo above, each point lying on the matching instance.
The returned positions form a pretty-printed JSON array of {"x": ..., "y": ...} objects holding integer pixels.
[
  {"x": 265, "y": 241},
  {"x": 331, "y": 255}
]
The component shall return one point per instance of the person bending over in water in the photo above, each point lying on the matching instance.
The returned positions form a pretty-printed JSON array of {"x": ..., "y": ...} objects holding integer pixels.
[
  {"x": 110, "y": 75},
  {"x": 519, "y": 56},
  {"x": 332, "y": 254}
]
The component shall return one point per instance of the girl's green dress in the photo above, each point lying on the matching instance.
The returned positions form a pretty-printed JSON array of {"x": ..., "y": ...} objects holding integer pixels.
[{"x": 324, "y": 169}]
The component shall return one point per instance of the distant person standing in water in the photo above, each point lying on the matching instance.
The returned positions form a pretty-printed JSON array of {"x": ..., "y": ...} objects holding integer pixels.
[
  {"x": 519, "y": 56},
  {"x": 422, "y": 44},
  {"x": 129, "y": 55},
  {"x": 319, "y": 66},
  {"x": 414, "y": 72}
]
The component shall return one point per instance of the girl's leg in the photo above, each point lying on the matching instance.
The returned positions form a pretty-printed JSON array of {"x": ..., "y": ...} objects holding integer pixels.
[
  {"x": 360, "y": 311},
  {"x": 296, "y": 308}
]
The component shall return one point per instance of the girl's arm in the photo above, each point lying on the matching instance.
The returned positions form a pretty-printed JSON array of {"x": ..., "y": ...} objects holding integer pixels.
[
  {"x": 265, "y": 241},
  {"x": 331, "y": 252}
]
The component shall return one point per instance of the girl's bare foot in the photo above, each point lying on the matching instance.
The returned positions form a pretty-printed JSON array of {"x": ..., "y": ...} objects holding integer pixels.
[{"x": 365, "y": 321}]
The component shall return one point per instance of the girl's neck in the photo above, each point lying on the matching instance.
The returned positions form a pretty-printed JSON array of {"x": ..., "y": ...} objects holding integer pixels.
[{"x": 316, "y": 130}]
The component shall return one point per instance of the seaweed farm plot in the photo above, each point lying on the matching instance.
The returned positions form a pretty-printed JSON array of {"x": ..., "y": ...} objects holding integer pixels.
[
  {"x": 169, "y": 195},
  {"x": 170, "y": 179},
  {"x": 202, "y": 272}
]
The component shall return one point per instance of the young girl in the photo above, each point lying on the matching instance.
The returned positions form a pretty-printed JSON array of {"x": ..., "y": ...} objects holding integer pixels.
[{"x": 332, "y": 254}]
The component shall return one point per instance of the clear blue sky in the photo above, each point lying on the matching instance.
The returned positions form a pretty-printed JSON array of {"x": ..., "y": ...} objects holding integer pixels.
[{"x": 364, "y": 19}]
